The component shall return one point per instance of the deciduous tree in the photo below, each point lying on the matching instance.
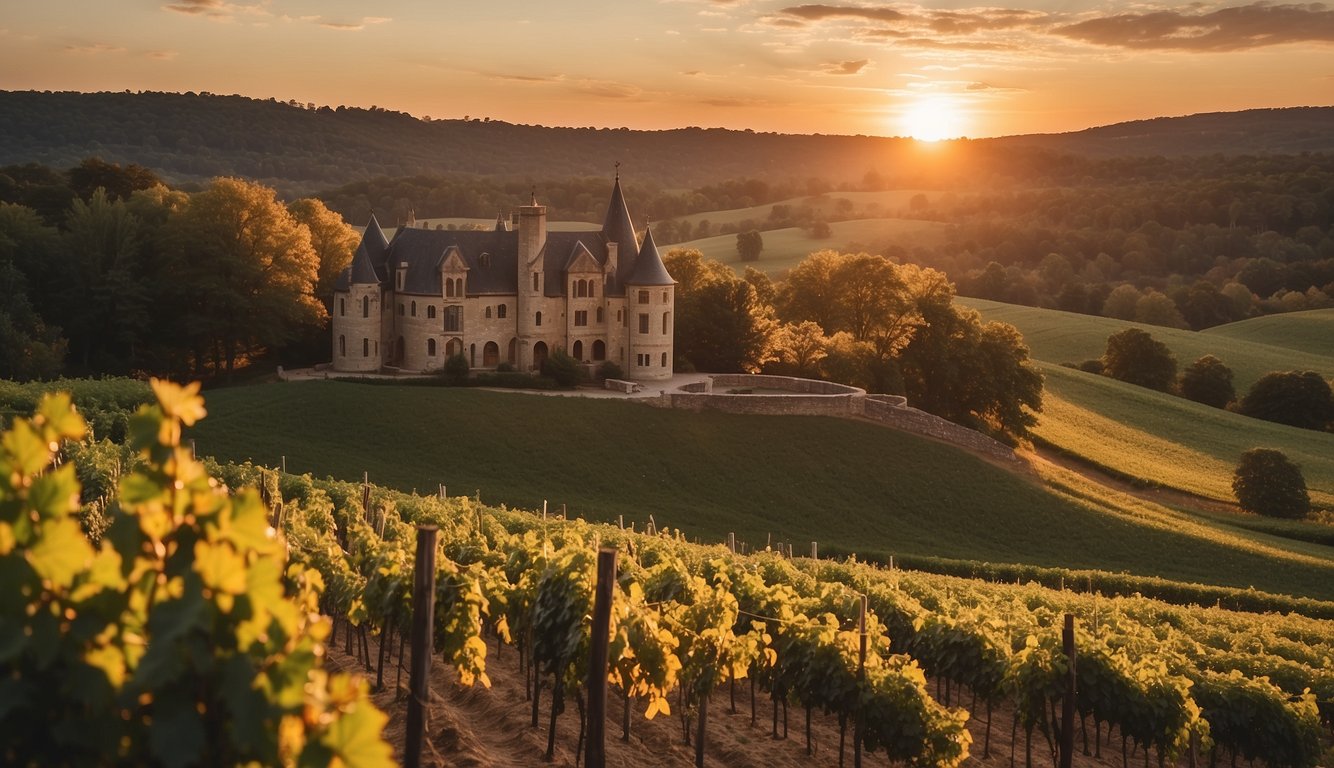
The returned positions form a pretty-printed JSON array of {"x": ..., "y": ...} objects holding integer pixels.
[
  {"x": 1267, "y": 483},
  {"x": 1135, "y": 357},
  {"x": 721, "y": 325},
  {"x": 1208, "y": 381},
  {"x": 1296, "y": 398}
]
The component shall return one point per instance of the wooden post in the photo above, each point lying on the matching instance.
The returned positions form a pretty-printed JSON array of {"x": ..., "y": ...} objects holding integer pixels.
[
  {"x": 423, "y": 622},
  {"x": 815, "y": 551},
  {"x": 595, "y": 755},
  {"x": 1068, "y": 705},
  {"x": 563, "y": 515},
  {"x": 366, "y": 496},
  {"x": 620, "y": 520},
  {"x": 861, "y": 677},
  {"x": 544, "y": 509},
  {"x": 193, "y": 455},
  {"x": 284, "y": 463},
  {"x": 731, "y": 542}
]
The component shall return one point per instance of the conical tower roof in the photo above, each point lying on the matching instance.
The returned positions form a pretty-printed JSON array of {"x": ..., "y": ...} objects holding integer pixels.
[
  {"x": 617, "y": 228},
  {"x": 649, "y": 269},
  {"x": 368, "y": 263}
]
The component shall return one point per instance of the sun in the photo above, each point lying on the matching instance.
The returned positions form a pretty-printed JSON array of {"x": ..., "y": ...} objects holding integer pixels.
[{"x": 932, "y": 118}]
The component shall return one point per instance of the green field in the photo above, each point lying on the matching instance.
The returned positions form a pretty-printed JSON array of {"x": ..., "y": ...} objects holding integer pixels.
[
  {"x": 843, "y": 204},
  {"x": 847, "y": 484},
  {"x": 1156, "y": 437},
  {"x": 1066, "y": 337},
  {"x": 1311, "y": 331},
  {"x": 785, "y": 248}
]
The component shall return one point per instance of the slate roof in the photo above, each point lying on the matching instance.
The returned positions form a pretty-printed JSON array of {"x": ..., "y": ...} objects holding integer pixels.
[
  {"x": 649, "y": 269},
  {"x": 369, "y": 262},
  {"x": 617, "y": 228},
  {"x": 425, "y": 250}
]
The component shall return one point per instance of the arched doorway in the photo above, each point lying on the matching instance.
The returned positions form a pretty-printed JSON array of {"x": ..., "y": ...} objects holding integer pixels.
[
  {"x": 578, "y": 350},
  {"x": 490, "y": 355},
  {"x": 539, "y": 355},
  {"x": 513, "y": 347},
  {"x": 599, "y": 350}
]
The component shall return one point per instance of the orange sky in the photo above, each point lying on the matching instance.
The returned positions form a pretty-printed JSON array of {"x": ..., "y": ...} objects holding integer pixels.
[{"x": 932, "y": 69}]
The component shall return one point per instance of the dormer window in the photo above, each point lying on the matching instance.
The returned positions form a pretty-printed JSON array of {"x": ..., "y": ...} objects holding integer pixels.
[{"x": 485, "y": 260}]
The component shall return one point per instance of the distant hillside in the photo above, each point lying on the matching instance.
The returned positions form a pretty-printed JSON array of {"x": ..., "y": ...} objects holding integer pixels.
[
  {"x": 299, "y": 149},
  {"x": 1254, "y": 131}
]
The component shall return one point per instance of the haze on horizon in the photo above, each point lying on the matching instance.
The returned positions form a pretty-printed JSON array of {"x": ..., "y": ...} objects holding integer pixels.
[{"x": 933, "y": 69}]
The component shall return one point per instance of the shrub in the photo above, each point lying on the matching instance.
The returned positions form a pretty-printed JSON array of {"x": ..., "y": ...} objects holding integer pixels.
[
  {"x": 1135, "y": 357},
  {"x": 565, "y": 370},
  {"x": 1296, "y": 398},
  {"x": 1208, "y": 381},
  {"x": 456, "y": 368},
  {"x": 610, "y": 370},
  {"x": 1267, "y": 483}
]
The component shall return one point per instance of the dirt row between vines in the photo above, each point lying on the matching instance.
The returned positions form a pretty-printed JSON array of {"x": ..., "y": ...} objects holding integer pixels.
[{"x": 492, "y": 727}]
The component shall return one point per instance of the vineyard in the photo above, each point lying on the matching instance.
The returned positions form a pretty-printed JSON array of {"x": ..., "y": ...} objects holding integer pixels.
[{"x": 902, "y": 660}]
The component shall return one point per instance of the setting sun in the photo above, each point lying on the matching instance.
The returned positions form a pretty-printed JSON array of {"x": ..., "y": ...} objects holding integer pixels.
[{"x": 932, "y": 118}]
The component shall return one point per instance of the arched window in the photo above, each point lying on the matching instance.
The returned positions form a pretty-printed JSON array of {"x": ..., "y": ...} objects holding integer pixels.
[
  {"x": 578, "y": 350},
  {"x": 430, "y": 347},
  {"x": 664, "y": 359},
  {"x": 592, "y": 289},
  {"x": 490, "y": 355},
  {"x": 488, "y": 313},
  {"x": 538, "y": 321},
  {"x": 430, "y": 312},
  {"x": 599, "y": 350},
  {"x": 509, "y": 354},
  {"x": 342, "y": 307},
  {"x": 458, "y": 288},
  {"x": 449, "y": 289},
  {"x": 414, "y": 309},
  {"x": 365, "y": 347},
  {"x": 453, "y": 318},
  {"x": 342, "y": 346},
  {"x": 664, "y": 321},
  {"x": 365, "y": 306},
  {"x": 599, "y": 314},
  {"x": 472, "y": 355},
  {"x": 500, "y": 311}
]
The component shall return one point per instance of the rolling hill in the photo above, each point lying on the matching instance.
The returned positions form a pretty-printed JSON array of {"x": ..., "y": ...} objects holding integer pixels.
[
  {"x": 849, "y": 485},
  {"x": 1311, "y": 332},
  {"x": 787, "y": 247}
]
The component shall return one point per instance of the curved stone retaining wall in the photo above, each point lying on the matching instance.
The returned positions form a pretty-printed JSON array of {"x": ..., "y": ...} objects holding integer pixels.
[{"x": 809, "y": 397}]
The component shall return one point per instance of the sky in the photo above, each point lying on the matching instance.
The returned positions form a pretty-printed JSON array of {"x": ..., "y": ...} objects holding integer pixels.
[{"x": 935, "y": 69}]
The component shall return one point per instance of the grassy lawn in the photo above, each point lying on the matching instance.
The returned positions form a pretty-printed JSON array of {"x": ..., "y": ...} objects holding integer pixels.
[
  {"x": 861, "y": 204},
  {"x": 785, "y": 248},
  {"x": 1067, "y": 337},
  {"x": 1311, "y": 331},
  {"x": 843, "y": 483}
]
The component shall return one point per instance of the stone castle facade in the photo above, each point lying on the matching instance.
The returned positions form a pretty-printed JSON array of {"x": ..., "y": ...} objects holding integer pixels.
[{"x": 511, "y": 295}]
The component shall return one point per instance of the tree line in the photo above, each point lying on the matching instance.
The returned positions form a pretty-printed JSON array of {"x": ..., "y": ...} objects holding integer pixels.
[
  {"x": 114, "y": 273},
  {"x": 858, "y": 319}
]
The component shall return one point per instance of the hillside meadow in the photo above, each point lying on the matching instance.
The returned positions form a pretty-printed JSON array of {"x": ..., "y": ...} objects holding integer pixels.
[
  {"x": 850, "y": 485},
  {"x": 1311, "y": 331},
  {"x": 786, "y": 248}
]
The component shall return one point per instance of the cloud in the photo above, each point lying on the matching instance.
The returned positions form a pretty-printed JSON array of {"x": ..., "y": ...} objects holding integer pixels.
[
  {"x": 606, "y": 89},
  {"x": 93, "y": 49},
  {"x": 865, "y": 13},
  {"x": 845, "y": 67},
  {"x": 526, "y": 78},
  {"x": 354, "y": 26},
  {"x": 1234, "y": 28},
  {"x": 217, "y": 10},
  {"x": 162, "y": 55},
  {"x": 194, "y": 7}
]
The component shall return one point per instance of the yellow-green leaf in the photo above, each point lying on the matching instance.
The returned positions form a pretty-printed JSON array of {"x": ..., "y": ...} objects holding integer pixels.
[
  {"x": 355, "y": 737},
  {"x": 29, "y": 452},
  {"x": 57, "y": 415},
  {"x": 60, "y": 552}
]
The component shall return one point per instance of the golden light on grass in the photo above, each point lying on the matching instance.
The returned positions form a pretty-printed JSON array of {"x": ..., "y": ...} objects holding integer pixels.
[{"x": 932, "y": 118}]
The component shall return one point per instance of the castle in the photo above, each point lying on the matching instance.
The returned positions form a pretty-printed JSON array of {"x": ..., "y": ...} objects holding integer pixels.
[{"x": 511, "y": 295}]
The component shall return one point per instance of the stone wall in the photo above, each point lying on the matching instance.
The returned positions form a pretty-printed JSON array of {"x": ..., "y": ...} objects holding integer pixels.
[
  {"x": 894, "y": 411},
  {"x": 822, "y": 398}
]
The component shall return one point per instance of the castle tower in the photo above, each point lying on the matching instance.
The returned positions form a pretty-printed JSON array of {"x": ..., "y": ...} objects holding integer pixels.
[
  {"x": 361, "y": 303},
  {"x": 535, "y": 319},
  {"x": 650, "y": 300}
]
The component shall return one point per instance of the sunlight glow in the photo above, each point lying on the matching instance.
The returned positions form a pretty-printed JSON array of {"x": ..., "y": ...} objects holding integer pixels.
[{"x": 932, "y": 118}]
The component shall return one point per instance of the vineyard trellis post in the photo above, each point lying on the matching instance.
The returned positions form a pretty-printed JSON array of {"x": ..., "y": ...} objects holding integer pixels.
[
  {"x": 1068, "y": 705},
  {"x": 423, "y": 621},
  {"x": 595, "y": 755},
  {"x": 861, "y": 680}
]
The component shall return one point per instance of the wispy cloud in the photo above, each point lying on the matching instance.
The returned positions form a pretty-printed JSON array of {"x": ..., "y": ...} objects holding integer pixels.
[
  {"x": 1233, "y": 28},
  {"x": 354, "y": 26},
  {"x": 217, "y": 10},
  {"x": 606, "y": 89},
  {"x": 845, "y": 67},
  {"x": 93, "y": 49},
  {"x": 162, "y": 55}
]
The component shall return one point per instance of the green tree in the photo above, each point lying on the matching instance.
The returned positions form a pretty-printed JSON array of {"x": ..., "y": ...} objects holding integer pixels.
[
  {"x": 1136, "y": 357},
  {"x": 1154, "y": 308},
  {"x": 1207, "y": 381},
  {"x": 117, "y": 182},
  {"x": 721, "y": 325},
  {"x": 749, "y": 244},
  {"x": 107, "y": 313},
  {"x": 1267, "y": 483},
  {"x": 1296, "y": 398},
  {"x": 246, "y": 269},
  {"x": 799, "y": 349},
  {"x": 1121, "y": 302},
  {"x": 865, "y": 295}
]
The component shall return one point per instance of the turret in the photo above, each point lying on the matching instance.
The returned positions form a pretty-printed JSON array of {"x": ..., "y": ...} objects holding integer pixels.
[{"x": 650, "y": 300}]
